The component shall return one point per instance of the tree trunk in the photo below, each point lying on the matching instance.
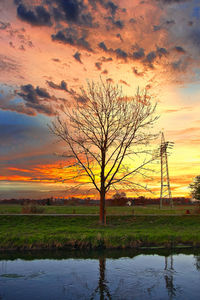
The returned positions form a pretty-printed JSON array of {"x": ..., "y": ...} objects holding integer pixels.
[
  {"x": 102, "y": 285},
  {"x": 102, "y": 213}
]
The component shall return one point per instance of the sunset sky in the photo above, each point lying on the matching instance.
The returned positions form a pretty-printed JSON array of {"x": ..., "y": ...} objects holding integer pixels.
[{"x": 48, "y": 49}]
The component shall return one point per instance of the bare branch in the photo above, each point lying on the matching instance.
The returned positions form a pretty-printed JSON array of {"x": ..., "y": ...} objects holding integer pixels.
[{"x": 105, "y": 129}]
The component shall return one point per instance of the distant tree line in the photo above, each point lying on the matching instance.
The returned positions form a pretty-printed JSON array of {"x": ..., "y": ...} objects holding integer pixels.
[{"x": 117, "y": 200}]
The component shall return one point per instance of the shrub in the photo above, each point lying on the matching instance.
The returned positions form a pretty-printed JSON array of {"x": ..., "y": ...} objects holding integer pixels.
[
  {"x": 32, "y": 209},
  {"x": 197, "y": 209}
]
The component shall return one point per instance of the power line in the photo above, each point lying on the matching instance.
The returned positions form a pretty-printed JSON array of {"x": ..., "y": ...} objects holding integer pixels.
[{"x": 165, "y": 191}]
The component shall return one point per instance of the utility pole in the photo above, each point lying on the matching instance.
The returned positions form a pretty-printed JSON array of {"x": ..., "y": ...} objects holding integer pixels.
[{"x": 165, "y": 191}]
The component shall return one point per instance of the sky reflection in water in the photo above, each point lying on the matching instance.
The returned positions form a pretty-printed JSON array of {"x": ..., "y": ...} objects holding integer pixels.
[{"x": 141, "y": 277}]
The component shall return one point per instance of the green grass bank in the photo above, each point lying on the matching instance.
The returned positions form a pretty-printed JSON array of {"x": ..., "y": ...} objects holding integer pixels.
[
  {"x": 110, "y": 210},
  {"x": 50, "y": 232}
]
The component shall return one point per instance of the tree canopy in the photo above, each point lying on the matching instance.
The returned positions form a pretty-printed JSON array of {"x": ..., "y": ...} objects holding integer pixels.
[
  {"x": 195, "y": 188},
  {"x": 103, "y": 132}
]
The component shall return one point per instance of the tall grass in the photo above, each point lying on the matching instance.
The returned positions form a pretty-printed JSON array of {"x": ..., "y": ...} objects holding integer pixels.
[{"x": 31, "y": 232}]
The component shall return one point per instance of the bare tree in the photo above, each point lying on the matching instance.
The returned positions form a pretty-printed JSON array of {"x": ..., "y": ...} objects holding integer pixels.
[{"x": 102, "y": 130}]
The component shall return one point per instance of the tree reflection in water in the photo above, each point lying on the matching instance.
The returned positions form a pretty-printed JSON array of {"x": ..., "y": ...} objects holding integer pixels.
[
  {"x": 131, "y": 276},
  {"x": 102, "y": 288},
  {"x": 197, "y": 264},
  {"x": 169, "y": 279},
  {"x": 103, "y": 291},
  {"x": 128, "y": 279}
]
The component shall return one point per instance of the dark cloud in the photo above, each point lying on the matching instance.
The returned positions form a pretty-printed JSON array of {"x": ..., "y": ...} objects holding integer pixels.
[
  {"x": 21, "y": 47},
  {"x": 17, "y": 2},
  {"x": 103, "y": 46},
  {"x": 106, "y": 59},
  {"x": 64, "y": 37},
  {"x": 112, "y": 7},
  {"x": 4, "y": 25},
  {"x": 105, "y": 72},
  {"x": 34, "y": 100},
  {"x": 132, "y": 20},
  {"x": 37, "y": 99},
  {"x": 37, "y": 17},
  {"x": 93, "y": 3},
  {"x": 82, "y": 43},
  {"x": 172, "y": 1},
  {"x": 42, "y": 92},
  {"x": 32, "y": 95},
  {"x": 80, "y": 99},
  {"x": 179, "y": 65},
  {"x": 109, "y": 5},
  {"x": 170, "y": 22},
  {"x": 98, "y": 65},
  {"x": 179, "y": 49},
  {"x": 194, "y": 37},
  {"x": 157, "y": 27},
  {"x": 72, "y": 12},
  {"x": 57, "y": 14},
  {"x": 20, "y": 108},
  {"x": 87, "y": 20},
  {"x": 117, "y": 23},
  {"x": 163, "y": 25},
  {"x": 11, "y": 45},
  {"x": 77, "y": 56},
  {"x": 176, "y": 65},
  {"x": 61, "y": 86},
  {"x": 59, "y": 11},
  {"x": 17, "y": 36},
  {"x": 30, "y": 44},
  {"x": 151, "y": 56},
  {"x": 81, "y": 14},
  {"x": 8, "y": 64},
  {"x": 120, "y": 53},
  {"x": 161, "y": 52},
  {"x": 45, "y": 109},
  {"x": 119, "y": 36},
  {"x": 7, "y": 104},
  {"x": 72, "y": 37},
  {"x": 139, "y": 54},
  {"x": 71, "y": 9}
]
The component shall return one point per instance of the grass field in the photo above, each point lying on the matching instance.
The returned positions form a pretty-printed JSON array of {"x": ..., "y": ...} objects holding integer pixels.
[
  {"x": 38, "y": 232},
  {"x": 118, "y": 210}
]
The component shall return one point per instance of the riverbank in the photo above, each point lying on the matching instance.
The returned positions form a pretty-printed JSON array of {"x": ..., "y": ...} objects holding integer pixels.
[{"x": 50, "y": 232}]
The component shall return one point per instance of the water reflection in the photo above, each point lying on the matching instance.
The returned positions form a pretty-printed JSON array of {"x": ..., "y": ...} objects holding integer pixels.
[
  {"x": 197, "y": 263},
  {"x": 102, "y": 288},
  {"x": 169, "y": 279},
  {"x": 101, "y": 275},
  {"x": 103, "y": 285}
]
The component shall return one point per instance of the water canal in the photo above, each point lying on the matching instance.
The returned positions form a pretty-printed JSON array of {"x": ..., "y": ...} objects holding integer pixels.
[{"x": 100, "y": 275}]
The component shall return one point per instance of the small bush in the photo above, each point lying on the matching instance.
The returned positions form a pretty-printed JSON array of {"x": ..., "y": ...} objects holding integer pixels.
[
  {"x": 32, "y": 209},
  {"x": 197, "y": 210}
]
